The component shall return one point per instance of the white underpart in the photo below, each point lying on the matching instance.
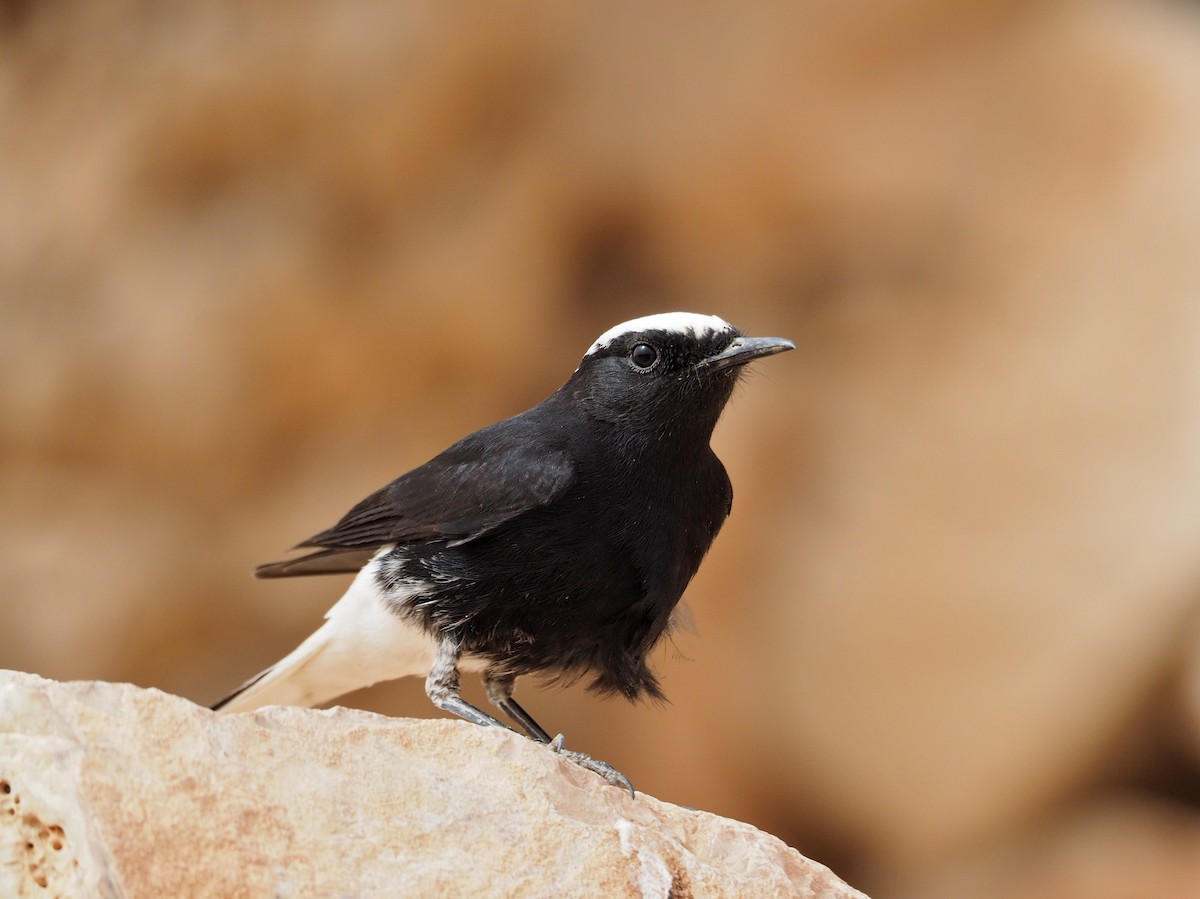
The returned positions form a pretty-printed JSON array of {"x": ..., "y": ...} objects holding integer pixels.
[
  {"x": 688, "y": 323},
  {"x": 362, "y": 642}
]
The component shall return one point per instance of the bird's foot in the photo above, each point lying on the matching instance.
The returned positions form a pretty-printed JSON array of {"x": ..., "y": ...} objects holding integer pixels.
[{"x": 604, "y": 769}]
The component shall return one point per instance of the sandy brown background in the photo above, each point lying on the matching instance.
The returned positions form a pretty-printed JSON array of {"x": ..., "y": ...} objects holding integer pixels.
[{"x": 257, "y": 259}]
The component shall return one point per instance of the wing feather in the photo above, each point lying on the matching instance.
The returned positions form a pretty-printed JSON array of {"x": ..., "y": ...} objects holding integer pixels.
[{"x": 469, "y": 490}]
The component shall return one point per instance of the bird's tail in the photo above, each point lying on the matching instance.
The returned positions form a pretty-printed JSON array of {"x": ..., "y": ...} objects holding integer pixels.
[{"x": 361, "y": 643}]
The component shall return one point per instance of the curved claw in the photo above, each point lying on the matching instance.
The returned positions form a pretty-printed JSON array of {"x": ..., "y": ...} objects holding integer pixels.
[{"x": 604, "y": 769}]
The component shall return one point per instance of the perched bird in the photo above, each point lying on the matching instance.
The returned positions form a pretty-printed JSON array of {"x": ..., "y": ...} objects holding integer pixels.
[{"x": 557, "y": 542}]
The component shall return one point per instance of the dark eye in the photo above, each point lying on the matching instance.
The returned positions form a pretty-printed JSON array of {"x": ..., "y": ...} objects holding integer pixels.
[{"x": 643, "y": 355}]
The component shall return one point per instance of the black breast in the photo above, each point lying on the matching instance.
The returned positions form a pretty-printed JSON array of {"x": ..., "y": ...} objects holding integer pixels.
[{"x": 588, "y": 583}]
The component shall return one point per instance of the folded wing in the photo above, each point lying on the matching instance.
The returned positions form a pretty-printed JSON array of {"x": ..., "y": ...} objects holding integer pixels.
[{"x": 467, "y": 491}]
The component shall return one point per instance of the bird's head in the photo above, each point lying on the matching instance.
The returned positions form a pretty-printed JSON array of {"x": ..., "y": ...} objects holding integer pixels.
[{"x": 667, "y": 374}]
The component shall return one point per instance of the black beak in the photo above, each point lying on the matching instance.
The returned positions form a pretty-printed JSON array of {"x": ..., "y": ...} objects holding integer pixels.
[{"x": 745, "y": 349}]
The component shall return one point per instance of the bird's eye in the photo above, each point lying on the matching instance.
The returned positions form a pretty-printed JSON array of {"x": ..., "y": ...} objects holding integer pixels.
[{"x": 643, "y": 355}]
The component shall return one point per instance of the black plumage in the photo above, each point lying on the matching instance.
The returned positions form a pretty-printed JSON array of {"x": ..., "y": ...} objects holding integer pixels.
[{"x": 559, "y": 541}]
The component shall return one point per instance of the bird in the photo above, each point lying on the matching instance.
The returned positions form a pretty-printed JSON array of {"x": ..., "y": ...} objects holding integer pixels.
[{"x": 555, "y": 543}]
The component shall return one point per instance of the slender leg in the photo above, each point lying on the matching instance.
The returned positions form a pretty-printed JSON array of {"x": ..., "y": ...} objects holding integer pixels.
[
  {"x": 442, "y": 687},
  {"x": 499, "y": 692}
]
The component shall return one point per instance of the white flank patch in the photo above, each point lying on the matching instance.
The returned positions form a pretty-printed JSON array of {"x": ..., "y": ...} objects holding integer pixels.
[
  {"x": 361, "y": 643},
  {"x": 370, "y": 642},
  {"x": 680, "y": 322}
]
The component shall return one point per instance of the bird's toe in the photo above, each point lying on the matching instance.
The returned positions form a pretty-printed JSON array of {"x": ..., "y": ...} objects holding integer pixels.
[{"x": 597, "y": 766}]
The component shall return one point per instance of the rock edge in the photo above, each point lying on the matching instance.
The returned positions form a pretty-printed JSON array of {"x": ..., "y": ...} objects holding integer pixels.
[{"x": 116, "y": 791}]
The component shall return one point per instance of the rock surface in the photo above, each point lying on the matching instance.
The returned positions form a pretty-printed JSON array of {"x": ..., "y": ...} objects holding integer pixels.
[{"x": 111, "y": 790}]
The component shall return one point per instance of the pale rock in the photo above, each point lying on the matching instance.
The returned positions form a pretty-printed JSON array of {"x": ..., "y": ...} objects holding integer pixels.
[{"x": 110, "y": 790}]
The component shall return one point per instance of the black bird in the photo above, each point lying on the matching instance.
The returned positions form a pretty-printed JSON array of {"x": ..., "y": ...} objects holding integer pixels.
[{"x": 557, "y": 542}]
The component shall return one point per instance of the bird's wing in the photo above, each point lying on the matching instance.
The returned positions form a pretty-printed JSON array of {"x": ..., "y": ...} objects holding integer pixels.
[
  {"x": 324, "y": 561},
  {"x": 469, "y": 490}
]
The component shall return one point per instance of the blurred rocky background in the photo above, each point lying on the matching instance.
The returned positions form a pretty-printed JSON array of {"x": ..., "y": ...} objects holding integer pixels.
[{"x": 256, "y": 259}]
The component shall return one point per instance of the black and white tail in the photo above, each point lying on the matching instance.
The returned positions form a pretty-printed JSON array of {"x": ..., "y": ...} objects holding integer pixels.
[{"x": 362, "y": 642}]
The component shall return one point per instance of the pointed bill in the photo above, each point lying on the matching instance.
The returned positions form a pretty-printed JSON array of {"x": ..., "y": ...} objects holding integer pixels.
[{"x": 745, "y": 349}]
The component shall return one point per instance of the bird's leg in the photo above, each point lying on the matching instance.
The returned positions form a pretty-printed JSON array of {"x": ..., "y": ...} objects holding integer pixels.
[
  {"x": 499, "y": 691},
  {"x": 441, "y": 686}
]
